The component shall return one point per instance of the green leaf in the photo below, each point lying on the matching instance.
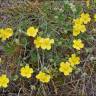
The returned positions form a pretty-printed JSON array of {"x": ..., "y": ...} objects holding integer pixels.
[{"x": 9, "y": 48}]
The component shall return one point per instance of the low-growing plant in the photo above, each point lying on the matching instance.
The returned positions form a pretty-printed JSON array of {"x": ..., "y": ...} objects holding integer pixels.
[{"x": 40, "y": 44}]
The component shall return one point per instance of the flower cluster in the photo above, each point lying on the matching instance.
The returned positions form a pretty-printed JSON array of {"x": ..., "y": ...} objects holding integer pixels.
[
  {"x": 27, "y": 73},
  {"x": 67, "y": 67},
  {"x": 4, "y": 81},
  {"x": 43, "y": 77},
  {"x": 5, "y": 33},
  {"x": 44, "y": 43},
  {"x": 78, "y": 27},
  {"x": 79, "y": 24}
]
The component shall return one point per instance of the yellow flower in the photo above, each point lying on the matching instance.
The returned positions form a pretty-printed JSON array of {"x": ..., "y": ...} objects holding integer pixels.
[
  {"x": 38, "y": 41},
  {"x": 83, "y": 28},
  {"x": 76, "y": 32},
  {"x": 26, "y": 71},
  {"x": 85, "y": 18},
  {"x": 43, "y": 77},
  {"x": 77, "y": 44},
  {"x": 44, "y": 43},
  {"x": 4, "y": 81},
  {"x": 65, "y": 68},
  {"x": 74, "y": 60},
  {"x": 31, "y": 31},
  {"x": 47, "y": 43},
  {"x": 6, "y": 33},
  {"x": 78, "y": 28},
  {"x": 77, "y": 21}
]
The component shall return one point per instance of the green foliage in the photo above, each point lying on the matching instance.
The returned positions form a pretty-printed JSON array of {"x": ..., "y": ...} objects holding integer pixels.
[{"x": 9, "y": 48}]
